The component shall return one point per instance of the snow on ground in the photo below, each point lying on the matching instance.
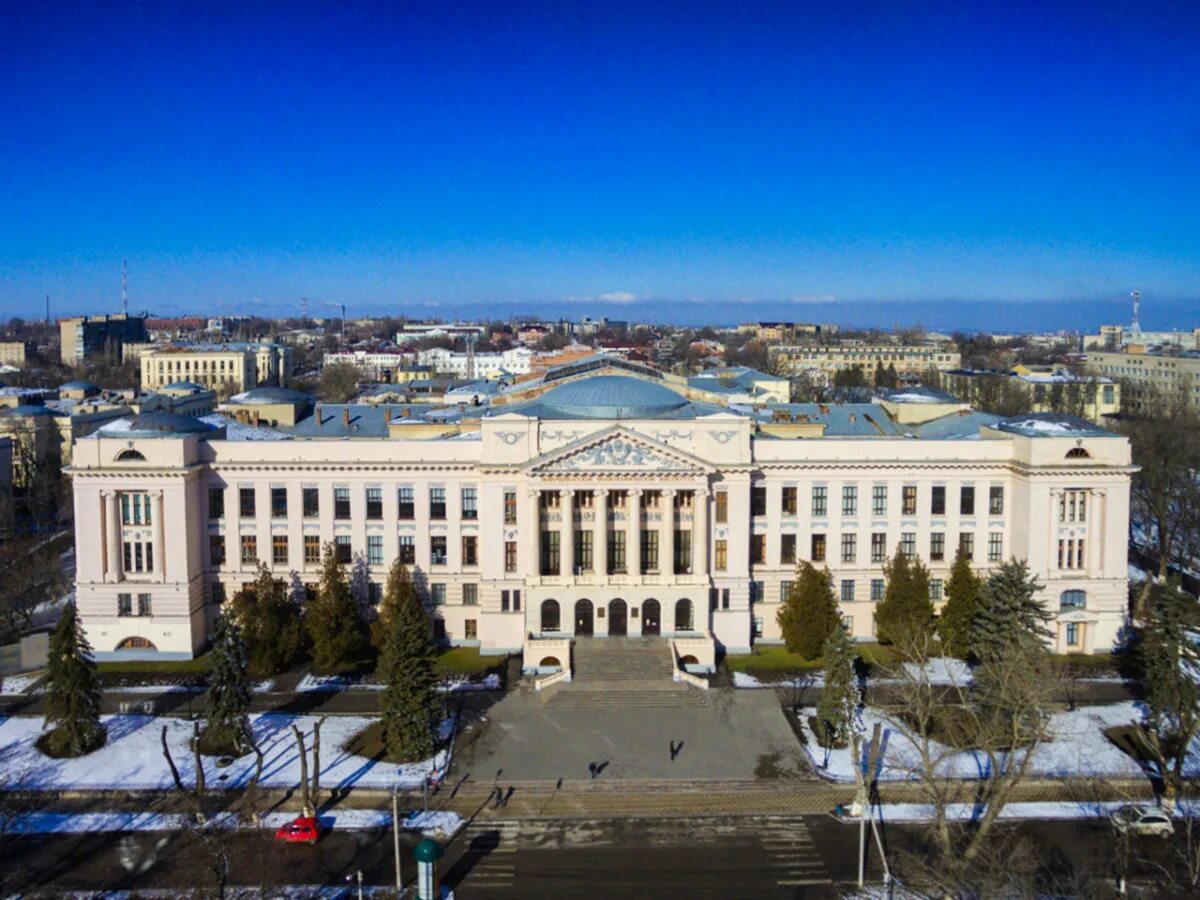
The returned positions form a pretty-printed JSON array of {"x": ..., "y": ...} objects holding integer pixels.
[
  {"x": 1078, "y": 748},
  {"x": 942, "y": 670},
  {"x": 18, "y": 684},
  {"x": 237, "y": 431},
  {"x": 154, "y": 689},
  {"x": 1137, "y": 574},
  {"x": 809, "y": 679},
  {"x": 311, "y": 682},
  {"x": 487, "y": 683},
  {"x": 132, "y": 758}
]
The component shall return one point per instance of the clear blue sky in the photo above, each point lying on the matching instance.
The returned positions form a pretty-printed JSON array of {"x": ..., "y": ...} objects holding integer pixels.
[{"x": 418, "y": 158}]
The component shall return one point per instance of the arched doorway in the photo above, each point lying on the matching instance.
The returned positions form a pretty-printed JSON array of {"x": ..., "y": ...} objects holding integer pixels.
[
  {"x": 651, "y": 614},
  {"x": 550, "y": 615},
  {"x": 583, "y": 618},
  {"x": 618, "y": 618},
  {"x": 683, "y": 615}
]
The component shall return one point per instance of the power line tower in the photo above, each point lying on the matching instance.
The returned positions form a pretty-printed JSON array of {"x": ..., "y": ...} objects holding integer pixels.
[
  {"x": 1136, "y": 326},
  {"x": 124, "y": 287}
]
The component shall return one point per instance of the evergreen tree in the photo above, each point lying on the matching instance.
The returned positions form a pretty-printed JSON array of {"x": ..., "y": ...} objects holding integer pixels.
[
  {"x": 270, "y": 624},
  {"x": 400, "y": 590},
  {"x": 962, "y": 600},
  {"x": 228, "y": 699},
  {"x": 810, "y": 613},
  {"x": 73, "y": 690},
  {"x": 410, "y": 706},
  {"x": 333, "y": 623},
  {"x": 1170, "y": 664},
  {"x": 841, "y": 696},
  {"x": 360, "y": 587},
  {"x": 1009, "y": 616},
  {"x": 906, "y": 611},
  {"x": 297, "y": 593}
]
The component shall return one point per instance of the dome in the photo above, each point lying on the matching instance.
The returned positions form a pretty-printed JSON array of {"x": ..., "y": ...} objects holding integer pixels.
[
  {"x": 183, "y": 386},
  {"x": 613, "y": 397},
  {"x": 28, "y": 409},
  {"x": 78, "y": 386},
  {"x": 270, "y": 395},
  {"x": 156, "y": 424}
]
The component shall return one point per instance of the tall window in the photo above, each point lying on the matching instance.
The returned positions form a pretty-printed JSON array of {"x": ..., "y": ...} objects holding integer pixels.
[
  {"x": 470, "y": 550},
  {"x": 849, "y": 548},
  {"x": 408, "y": 550},
  {"x": 144, "y": 607},
  {"x": 550, "y": 559},
  {"x": 785, "y": 590},
  {"x": 820, "y": 501},
  {"x": 470, "y": 503},
  {"x": 437, "y": 594},
  {"x": 406, "y": 508},
  {"x": 935, "y": 589},
  {"x": 908, "y": 500},
  {"x": 216, "y": 503},
  {"x": 758, "y": 501},
  {"x": 510, "y": 556},
  {"x": 249, "y": 548},
  {"x": 135, "y": 509},
  {"x": 311, "y": 500},
  {"x": 847, "y": 595},
  {"x": 789, "y": 501},
  {"x": 124, "y": 604},
  {"x": 583, "y": 551},
  {"x": 879, "y": 500},
  {"x": 966, "y": 501},
  {"x": 995, "y": 547},
  {"x": 470, "y": 595},
  {"x": 616, "y": 551},
  {"x": 341, "y": 544},
  {"x": 1072, "y": 506},
  {"x": 787, "y": 549},
  {"x": 341, "y": 503},
  {"x": 279, "y": 549},
  {"x": 937, "y": 546},
  {"x": 246, "y": 502},
  {"x": 437, "y": 503},
  {"x": 437, "y": 550},
  {"x": 649, "y": 551},
  {"x": 682, "y": 564},
  {"x": 877, "y": 586},
  {"x": 312, "y": 549},
  {"x": 375, "y": 549},
  {"x": 878, "y": 547},
  {"x": 758, "y": 548},
  {"x": 722, "y": 507},
  {"x": 908, "y": 543},
  {"x": 216, "y": 549},
  {"x": 996, "y": 500},
  {"x": 966, "y": 543},
  {"x": 818, "y": 548},
  {"x": 850, "y": 500},
  {"x": 937, "y": 500},
  {"x": 510, "y": 507},
  {"x": 721, "y": 555},
  {"x": 279, "y": 503},
  {"x": 374, "y": 503}
]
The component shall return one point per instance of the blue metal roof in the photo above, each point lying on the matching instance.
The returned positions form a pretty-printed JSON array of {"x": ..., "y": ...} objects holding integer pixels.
[{"x": 613, "y": 397}]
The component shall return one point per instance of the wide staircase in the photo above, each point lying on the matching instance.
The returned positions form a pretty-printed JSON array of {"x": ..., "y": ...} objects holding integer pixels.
[{"x": 618, "y": 673}]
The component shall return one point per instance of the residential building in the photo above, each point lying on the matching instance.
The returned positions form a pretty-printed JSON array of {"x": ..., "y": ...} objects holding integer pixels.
[
  {"x": 826, "y": 360},
  {"x": 15, "y": 353},
  {"x": 775, "y": 332},
  {"x": 1038, "y": 389},
  {"x": 220, "y": 367},
  {"x": 375, "y": 365},
  {"x": 85, "y": 337},
  {"x": 605, "y": 505},
  {"x": 1115, "y": 337},
  {"x": 517, "y": 361},
  {"x": 1141, "y": 370}
]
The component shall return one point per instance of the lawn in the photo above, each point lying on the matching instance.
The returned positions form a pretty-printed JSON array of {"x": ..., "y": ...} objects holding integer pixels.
[
  {"x": 468, "y": 661},
  {"x": 198, "y": 666}
]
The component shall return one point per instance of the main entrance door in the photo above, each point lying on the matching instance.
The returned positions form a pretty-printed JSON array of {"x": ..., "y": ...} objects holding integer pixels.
[
  {"x": 618, "y": 618},
  {"x": 583, "y": 618},
  {"x": 651, "y": 613}
]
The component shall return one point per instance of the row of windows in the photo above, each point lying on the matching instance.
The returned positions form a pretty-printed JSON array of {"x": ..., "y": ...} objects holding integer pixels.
[
  {"x": 310, "y": 503},
  {"x": 135, "y": 509},
  {"x": 584, "y": 555},
  {"x": 407, "y": 551},
  {"x": 818, "y": 549},
  {"x": 125, "y": 605},
  {"x": 819, "y": 501}
]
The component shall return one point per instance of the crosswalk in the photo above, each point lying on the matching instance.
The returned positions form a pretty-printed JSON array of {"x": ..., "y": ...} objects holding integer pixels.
[
  {"x": 490, "y": 855},
  {"x": 789, "y": 848}
]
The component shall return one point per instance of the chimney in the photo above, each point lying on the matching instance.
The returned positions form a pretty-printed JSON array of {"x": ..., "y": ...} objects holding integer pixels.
[{"x": 345, "y": 415}]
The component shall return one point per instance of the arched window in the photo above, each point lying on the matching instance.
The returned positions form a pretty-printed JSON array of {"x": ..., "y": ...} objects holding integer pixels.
[
  {"x": 549, "y": 662},
  {"x": 550, "y": 615},
  {"x": 683, "y": 615},
  {"x": 1073, "y": 600},
  {"x": 1078, "y": 453},
  {"x": 130, "y": 456},
  {"x": 135, "y": 643}
]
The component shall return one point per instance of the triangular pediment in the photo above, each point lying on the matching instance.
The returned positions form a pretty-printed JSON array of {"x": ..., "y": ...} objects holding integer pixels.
[{"x": 617, "y": 450}]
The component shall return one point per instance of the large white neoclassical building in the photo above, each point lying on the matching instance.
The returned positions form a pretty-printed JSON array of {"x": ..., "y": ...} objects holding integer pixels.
[{"x": 605, "y": 503}]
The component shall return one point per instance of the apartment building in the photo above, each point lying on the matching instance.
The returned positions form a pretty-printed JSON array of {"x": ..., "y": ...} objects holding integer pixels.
[
  {"x": 15, "y": 353},
  {"x": 517, "y": 361},
  {"x": 607, "y": 505},
  {"x": 84, "y": 337},
  {"x": 1038, "y": 389},
  {"x": 1140, "y": 371},
  {"x": 826, "y": 360}
]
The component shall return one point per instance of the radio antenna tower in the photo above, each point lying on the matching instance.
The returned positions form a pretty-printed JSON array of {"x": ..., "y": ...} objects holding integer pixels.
[
  {"x": 303, "y": 309},
  {"x": 1137, "y": 309},
  {"x": 124, "y": 288}
]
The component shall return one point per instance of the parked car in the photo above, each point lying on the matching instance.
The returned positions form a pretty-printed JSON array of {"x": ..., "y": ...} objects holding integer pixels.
[
  {"x": 1143, "y": 820},
  {"x": 301, "y": 830}
]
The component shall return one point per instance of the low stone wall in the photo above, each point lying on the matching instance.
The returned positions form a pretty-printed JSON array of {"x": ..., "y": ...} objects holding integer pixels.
[{"x": 702, "y": 649}]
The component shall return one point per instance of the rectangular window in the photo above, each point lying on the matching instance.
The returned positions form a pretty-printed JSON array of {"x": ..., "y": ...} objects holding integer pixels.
[
  {"x": 908, "y": 500},
  {"x": 879, "y": 500},
  {"x": 966, "y": 501},
  {"x": 1073, "y": 600},
  {"x": 758, "y": 501},
  {"x": 437, "y": 593},
  {"x": 144, "y": 608},
  {"x": 996, "y": 501},
  {"x": 616, "y": 551},
  {"x": 437, "y": 550},
  {"x": 246, "y": 502},
  {"x": 820, "y": 501},
  {"x": 312, "y": 549},
  {"x": 375, "y": 503},
  {"x": 470, "y": 595},
  {"x": 1072, "y": 634},
  {"x": 878, "y": 547},
  {"x": 311, "y": 501},
  {"x": 550, "y": 558},
  {"x": 818, "y": 548},
  {"x": 876, "y": 588},
  {"x": 470, "y": 550},
  {"x": 789, "y": 501},
  {"x": 510, "y": 507},
  {"x": 124, "y": 604},
  {"x": 908, "y": 544},
  {"x": 847, "y": 590},
  {"x": 649, "y": 551},
  {"x": 341, "y": 503},
  {"x": 937, "y": 546},
  {"x": 437, "y": 503},
  {"x": 683, "y": 552},
  {"x": 516, "y": 597},
  {"x": 406, "y": 505},
  {"x": 279, "y": 549},
  {"x": 470, "y": 628},
  {"x": 785, "y": 589},
  {"x": 995, "y": 547},
  {"x": 935, "y": 589},
  {"x": 1072, "y": 506},
  {"x": 849, "y": 548},
  {"x": 850, "y": 500},
  {"x": 724, "y": 598},
  {"x": 583, "y": 551},
  {"x": 375, "y": 549},
  {"x": 408, "y": 550},
  {"x": 966, "y": 544},
  {"x": 470, "y": 503},
  {"x": 249, "y": 548},
  {"x": 505, "y": 602},
  {"x": 341, "y": 544},
  {"x": 279, "y": 503},
  {"x": 216, "y": 549},
  {"x": 937, "y": 500},
  {"x": 757, "y": 592},
  {"x": 510, "y": 556},
  {"x": 787, "y": 549},
  {"x": 758, "y": 626},
  {"x": 758, "y": 549},
  {"x": 721, "y": 555},
  {"x": 216, "y": 503},
  {"x": 722, "y": 507}
]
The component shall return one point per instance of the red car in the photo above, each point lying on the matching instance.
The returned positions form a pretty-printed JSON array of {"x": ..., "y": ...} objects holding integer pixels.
[{"x": 301, "y": 830}]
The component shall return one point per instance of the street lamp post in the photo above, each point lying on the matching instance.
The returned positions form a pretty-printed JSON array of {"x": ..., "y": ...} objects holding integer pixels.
[{"x": 396, "y": 841}]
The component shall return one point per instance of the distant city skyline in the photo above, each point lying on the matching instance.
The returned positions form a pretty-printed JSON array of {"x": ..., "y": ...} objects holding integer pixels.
[{"x": 965, "y": 167}]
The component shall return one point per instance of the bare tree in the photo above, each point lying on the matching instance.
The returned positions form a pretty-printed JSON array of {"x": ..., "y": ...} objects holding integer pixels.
[{"x": 310, "y": 792}]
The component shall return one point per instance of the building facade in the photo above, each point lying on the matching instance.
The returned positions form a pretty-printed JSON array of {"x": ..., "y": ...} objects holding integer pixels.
[
  {"x": 828, "y": 359},
  {"x": 1142, "y": 372},
  {"x": 1036, "y": 389},
  {"x": 606, "y": 506},
  {"x": 228, "y": 367},
  {"x": 84, "y": 337}
]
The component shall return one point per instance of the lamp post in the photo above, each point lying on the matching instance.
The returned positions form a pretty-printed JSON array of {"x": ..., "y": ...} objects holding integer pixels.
[{"x": 396, "y": 841}]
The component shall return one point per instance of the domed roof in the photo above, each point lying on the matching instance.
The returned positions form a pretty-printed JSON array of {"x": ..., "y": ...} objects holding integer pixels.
[
  {"x": 269, "y": 394},
  {"x": 156, "y": 424},
  {"x": 28, "y": 409},
  {"x": 183, "y": 386},
  {"x": 613, "y": 397},
  {"x": 78, "y": 386}
]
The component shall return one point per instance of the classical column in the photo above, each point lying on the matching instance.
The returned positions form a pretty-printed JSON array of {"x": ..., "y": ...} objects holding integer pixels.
[
  {"x": 600, "y": 533},
  {"x": 112, "y": 537},
  {"x": 566, "y": 543},
  {"x": 633, "y": 543},
  {"x": 700, "y": 531},
  {"x": 666, "y": 541},
  {"x": 160, "y": 563}
]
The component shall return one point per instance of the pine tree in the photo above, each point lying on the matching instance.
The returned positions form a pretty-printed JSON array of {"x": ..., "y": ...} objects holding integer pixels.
[
  {"x": 906, "y": 611},
  {"x": 1170, "y": 664},
  {"x": 73, "y": 690},
  {"x": 410, "y": 706},
  {"x": 270, "y": 624},
  {"x": 810, "y": 613},
  {"x": 400, "y": 590},
  {"x": 333, "y": 622},
  {"x": 841, "y": 695},
  {"x": 1009, "y": 616},
  {"x": 360, "y": 587},
  {"x": 962, "y": 600},
  {"x": 228, "y": 699}
]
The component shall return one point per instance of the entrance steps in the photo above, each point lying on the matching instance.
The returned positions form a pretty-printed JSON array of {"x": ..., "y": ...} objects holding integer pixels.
[{"x": 623, "y": 672}]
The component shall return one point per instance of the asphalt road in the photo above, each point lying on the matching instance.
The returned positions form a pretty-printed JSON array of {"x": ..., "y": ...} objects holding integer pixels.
[{"x": 803, "y": 857}]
